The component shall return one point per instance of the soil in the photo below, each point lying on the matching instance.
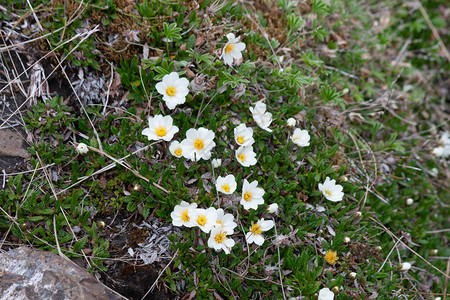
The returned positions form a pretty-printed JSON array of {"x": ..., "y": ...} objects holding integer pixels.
[
  {"x": 134, "y": 281},
  {"x": 131, "y": 279}
]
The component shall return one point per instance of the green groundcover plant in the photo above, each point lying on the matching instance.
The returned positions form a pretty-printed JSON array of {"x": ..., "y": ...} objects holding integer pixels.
[{"x": 272, "y": 135}]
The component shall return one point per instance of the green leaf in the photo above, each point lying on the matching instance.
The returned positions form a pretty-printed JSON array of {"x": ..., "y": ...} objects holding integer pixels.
[{"x": 80, "y": 244}]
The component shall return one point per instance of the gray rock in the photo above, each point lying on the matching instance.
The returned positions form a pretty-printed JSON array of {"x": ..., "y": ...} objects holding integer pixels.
[
  {"x": 11, "y": 144},
  {"x": 26, "y": 273}
]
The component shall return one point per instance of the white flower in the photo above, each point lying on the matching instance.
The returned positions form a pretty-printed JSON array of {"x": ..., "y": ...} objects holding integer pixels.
[
  {"x": 439, "y": 151},
  {"x": 226, "y": 221},
  {"x": 216, "y": 162},
  {"x": 325, "y": 294},
  {"x": 331, "y": 190},
  {"x": 182, "y": 214},
  {"x": 198, "y": 144},
  {"x": 219, "y": 240},
  {"x": 160, "y": 128},
  {"x": 254, "y": 235},
  {"x": 443, "y": 150},
  {"x": 232, "y": 49},
  {"x": 272, "y": 208},
  {"x": 347, "y": 240},
  {"x": 261, "y": 117},
  {"x": 174, "y": 89},
  {"x": 175, "y": 149},
  {"x": 300, "y": 137},
  {"x": 205, "y": 218},
  {"x": 291, "y": 122},
  {"x": 245, "y": 156},
  {"x": 352, "y": 275},
  {"x": 82, "y": 148},
  {"x": 243, "y": 135},
  {"x": 409, "y": 201},
  {"x": 404, "y": 266},
  {"x": 252, "y": 195},
  {"x": 226, "y": 185}
]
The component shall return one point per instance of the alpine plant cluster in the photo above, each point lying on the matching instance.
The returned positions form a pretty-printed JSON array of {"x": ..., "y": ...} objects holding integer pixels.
[{"x": 199, "y": 144}]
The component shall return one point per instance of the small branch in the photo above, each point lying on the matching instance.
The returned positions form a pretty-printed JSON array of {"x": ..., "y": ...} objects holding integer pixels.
[
  {"x": 409, "y": 248},
  {"x": 387, "y": 257},
  {"x": 279, "y": 260},
  {"x": 340, "y": 71},
  {"x": 433, "y": 29}
]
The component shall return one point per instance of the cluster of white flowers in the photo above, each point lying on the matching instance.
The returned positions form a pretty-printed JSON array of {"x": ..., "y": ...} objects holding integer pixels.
[
  {"x": 214, "y": 221},
  {"x": 199, "y": 144},
  {"x": 219, "y": 224},
  {"x": 222, "y": 225}
]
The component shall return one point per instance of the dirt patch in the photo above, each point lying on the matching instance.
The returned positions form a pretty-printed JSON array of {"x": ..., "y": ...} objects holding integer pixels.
[
  {"x": 129, "y": 246},
  {"x": 134, "y": 281}
]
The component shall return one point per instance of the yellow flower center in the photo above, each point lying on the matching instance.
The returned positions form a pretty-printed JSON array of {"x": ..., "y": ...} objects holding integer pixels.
[
  {"x": 161, "y": 131},
  {"x": 248, "y": 196},
  {"x": 240, "y": 139},
  {"x": 198, "y": 144},
  {"x": 241, "y": 157},
  {"x": 220, "y": 237},
  {"x": 229, "y": 48},
  {"x": 256, "y": 229},
  {"x": 178, "y": 152},
  {"x": 185, "y": 216},
  {"x": 201, "y": 220},
  {"x": 331, "y": 257},
  {"x": 170, "y": 91},
  {"x": 226, "y": 188},
  {"x": 328, "y": 192},
  {"x": 219, "y": 222}
]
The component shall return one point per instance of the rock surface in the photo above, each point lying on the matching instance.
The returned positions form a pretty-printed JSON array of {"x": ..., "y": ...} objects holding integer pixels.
[
  {"x": 27, "y": 273},
  {"x": 11, "y": 144}
]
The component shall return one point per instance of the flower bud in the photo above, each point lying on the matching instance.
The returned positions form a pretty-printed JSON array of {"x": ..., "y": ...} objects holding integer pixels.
[
  {"x": 335, "y": 289},
  {"x": 352, "y": 275},
  {"x": 434, "y": 172},
  {"x": 409, "y": 201},
  {"x": 216, "y": 162},
  {"x": 291, "y": 122},
  {"x": 404, "y": 266},
  {"x": 378, "y": 248},
  {"x": 272, "y": 208},
  {"x": 357, "y": 214},
  {"x": 101, "y": 224},
  {"x": 82, "y": 148},
  {"x": 433, "y": 252},
  {"x": 347, "y": 240}
]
